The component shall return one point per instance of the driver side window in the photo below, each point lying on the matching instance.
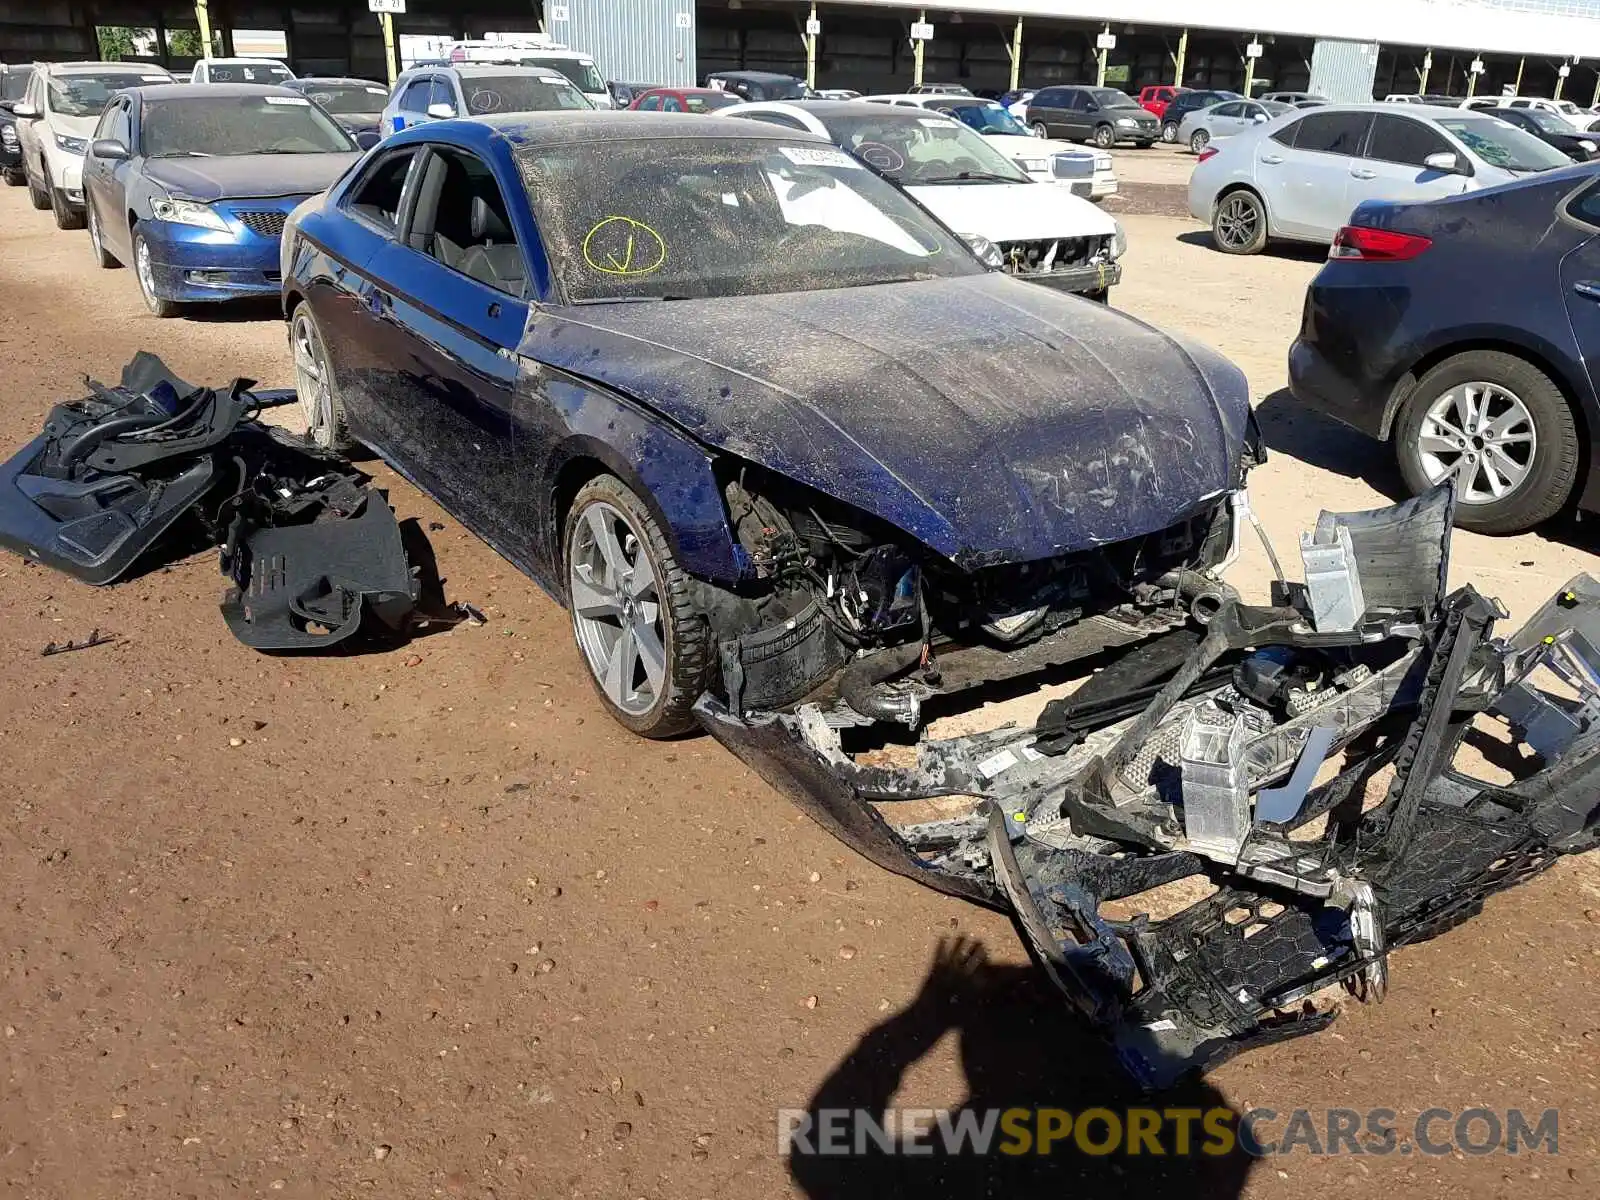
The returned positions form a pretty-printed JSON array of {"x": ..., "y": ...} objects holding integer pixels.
[
  {"x": 461, "y": 220},
  {"x": 443, "y": 93}
]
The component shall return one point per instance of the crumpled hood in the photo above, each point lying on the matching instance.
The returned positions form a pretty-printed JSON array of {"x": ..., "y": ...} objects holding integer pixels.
[
  {"x": 991, "y": 419},
  {"x": 1014, "y": 212},
  {"x": 247, "y": 175}
]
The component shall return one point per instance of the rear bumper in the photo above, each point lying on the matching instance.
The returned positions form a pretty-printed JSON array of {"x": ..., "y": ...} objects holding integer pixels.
[{"x": 1318, "y": 384}]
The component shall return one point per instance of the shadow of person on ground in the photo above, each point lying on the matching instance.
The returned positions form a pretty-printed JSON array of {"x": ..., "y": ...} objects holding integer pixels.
[{"x": 1021, "y": 1049}]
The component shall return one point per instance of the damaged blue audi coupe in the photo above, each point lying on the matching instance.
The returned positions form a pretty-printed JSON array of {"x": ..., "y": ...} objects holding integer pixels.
[{"x": 807, "y": 474}]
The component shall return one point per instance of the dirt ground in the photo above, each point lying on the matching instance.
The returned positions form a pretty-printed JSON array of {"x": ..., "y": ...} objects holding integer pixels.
[{"x": 427, "y": 923}]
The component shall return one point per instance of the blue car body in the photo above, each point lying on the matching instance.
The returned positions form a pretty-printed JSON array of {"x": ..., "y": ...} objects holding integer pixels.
[
  {"x": 1502, "y": 273},
  {"x": 992, "y": 421},
  {"x": 253, "y": 194}
]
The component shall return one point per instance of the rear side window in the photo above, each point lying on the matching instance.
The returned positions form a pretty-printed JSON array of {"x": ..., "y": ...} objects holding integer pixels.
[
  {"x": 1586, "y": 208},
  {"x": 415, "y": 97},
  {"x": 1051, "y": 98},
  {"x": 1400, "y": 140},
  {"x": 1333, "y": 132},
  {"x": 1228, "y": 110}
]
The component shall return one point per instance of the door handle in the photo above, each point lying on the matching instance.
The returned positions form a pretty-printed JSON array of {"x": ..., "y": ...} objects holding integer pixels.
[
  {"x": 1362, "y": 173},
  {"x": 494, "y": 308},
  {"x": 1272, "y": 160},
  {"x": 1589, "y": 289}
]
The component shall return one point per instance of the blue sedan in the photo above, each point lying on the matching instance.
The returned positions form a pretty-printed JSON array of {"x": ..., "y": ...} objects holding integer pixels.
[
  {"x": 192, "y": 186},
  {"x": 744, "y": 406}
]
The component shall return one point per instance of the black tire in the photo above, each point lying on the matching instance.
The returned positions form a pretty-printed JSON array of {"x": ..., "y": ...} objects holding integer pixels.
[
  {"x": 1105, "y": 137},
  {"x": 66, "y": 217},
  {"x": 1145, "y": 145},
  {"x": 1169, "y": 132},
  {"x": 1237, "y": 210},
  {"x": 330, "y": 432},
  {"x": 157, "y": 305},
  {"x": 686, "y": 640},
  {"x": 38, "y": 196},
  {"x": 1040, "y": 129},
  {"x": 15, "y": 176},
  {"x": 97, "y": 245},
  {"x": 1555, "y": 460},
  {"x": 1199, "y": 140}
]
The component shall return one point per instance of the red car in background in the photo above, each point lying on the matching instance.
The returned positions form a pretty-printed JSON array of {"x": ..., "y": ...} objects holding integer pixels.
[
  {"x": 1156, "y": 98},
  {"x": 693, "y": 100}
]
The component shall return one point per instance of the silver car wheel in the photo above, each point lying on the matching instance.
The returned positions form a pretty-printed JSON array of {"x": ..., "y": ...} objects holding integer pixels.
[
  {"x": 1481, "y": 436},
  {"x": 146, "y": 271},
  {"x": 1238, "y": 221},
  {"x": 312, "y": 381},
  {"x": 94, "y": 230},
  {"x": 616, "y": 609}
]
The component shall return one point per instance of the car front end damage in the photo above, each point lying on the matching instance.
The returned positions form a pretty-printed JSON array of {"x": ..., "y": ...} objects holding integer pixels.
[{"x": 1242, "y": 810}]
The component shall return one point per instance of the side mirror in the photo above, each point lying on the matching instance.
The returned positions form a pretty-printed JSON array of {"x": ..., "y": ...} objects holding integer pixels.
[
  {"x": 1260, "y": 118},
  {"x": 368, "y": 138},
  {"x": 109, "y": 149},
  {"x": 441, "y": 112},
  {"x": 1091, "y": 106},
  {"x": 1445, "y": 160},
  {"x": 25, "y": 110}
]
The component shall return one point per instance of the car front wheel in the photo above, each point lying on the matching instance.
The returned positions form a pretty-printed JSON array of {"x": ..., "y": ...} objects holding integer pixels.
[
  {"x": 1105, "y": 137},
  {"x": 646, "y": 647},
  {"x": 1169, "y": 132},
  {"x": 1239, "y": 225},
  {"x": 145, "y": 269},
  {"x": 1500, "y": 430}
]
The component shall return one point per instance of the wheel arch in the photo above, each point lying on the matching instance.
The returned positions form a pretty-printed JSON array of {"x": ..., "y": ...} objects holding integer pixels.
[{"x": 1243, "y": 185}]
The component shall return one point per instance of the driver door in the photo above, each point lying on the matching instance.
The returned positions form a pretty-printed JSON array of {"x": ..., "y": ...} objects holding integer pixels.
[{"x": 105, "y": 181}]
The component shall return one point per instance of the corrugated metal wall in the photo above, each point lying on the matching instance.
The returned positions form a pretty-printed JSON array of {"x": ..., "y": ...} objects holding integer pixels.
[
  {"x": 634, "y": 41},
  {"x": 1344, "y": 71}
]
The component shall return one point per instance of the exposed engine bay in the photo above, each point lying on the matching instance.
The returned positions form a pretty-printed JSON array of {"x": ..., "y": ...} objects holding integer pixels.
[{"x": 1241, "y": 810}]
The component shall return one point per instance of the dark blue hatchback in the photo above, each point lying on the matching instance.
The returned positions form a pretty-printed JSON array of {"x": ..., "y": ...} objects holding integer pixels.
[
  {"x": 1467, "y": 332},
  {"x": 191, "y": 186}
]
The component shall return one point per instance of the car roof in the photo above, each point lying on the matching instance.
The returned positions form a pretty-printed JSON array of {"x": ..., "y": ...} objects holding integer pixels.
[
  {"x": 85, "y": 68},
  {"x": 823, "y": 109},
  {"x": 753, "y": 76},
  {"x": 312, "y": 80},
  {"x": 683, "y": 91},
  {"x": 470, "y": 70},
  {"x": 213, "y": 91},
  {"x": 559, "y": 128}
]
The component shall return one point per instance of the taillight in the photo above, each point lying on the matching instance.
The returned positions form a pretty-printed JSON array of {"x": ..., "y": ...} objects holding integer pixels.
[
  {"x": 1208, "y": 152},
  {"x": 1361, "y": 244}
]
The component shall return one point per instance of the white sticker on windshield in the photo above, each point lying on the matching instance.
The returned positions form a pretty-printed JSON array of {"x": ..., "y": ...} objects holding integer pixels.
[
  {"x": 156, "y": 78},
  {"x": 818, "y": 156},
  {"x": 936, "y": 122},
  {"x": 376, "y": 92},
  {"x": 297, "y": 101}
]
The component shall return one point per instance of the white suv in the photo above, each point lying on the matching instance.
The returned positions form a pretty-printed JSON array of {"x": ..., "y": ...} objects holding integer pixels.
[
  {"x": 240, "y": 70},
  {"x": 56, "y": 118}
]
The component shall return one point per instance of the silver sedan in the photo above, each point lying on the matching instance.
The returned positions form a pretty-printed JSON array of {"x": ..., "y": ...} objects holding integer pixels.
[{"x": 1205, "y": 125}]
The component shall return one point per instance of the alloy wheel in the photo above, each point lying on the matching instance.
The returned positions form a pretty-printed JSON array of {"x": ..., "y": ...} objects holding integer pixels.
[
  {"x": 1104, "y": 137},
  {"x": 1482, "y": 437},
  {"x": 1238, "y": 222},
  {"x": 312, "y": 381},
  {"x": 616, "y": 608},
  {"x": 1199, "y": 141},
  {"x": 1169, "y": 133},
  {"x": 146, "y": 271}
]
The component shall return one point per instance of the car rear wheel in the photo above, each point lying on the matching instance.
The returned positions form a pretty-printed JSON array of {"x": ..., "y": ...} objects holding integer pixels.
[
  {"x": 102, "y": 256},
  {"x": 320, "y": 403},
  {"x": 1039, "y": 129},
  {"x": 1500, "y": 430},
  {"x": 15, "y": 176},
  {"x": 1199, "y": 141},
  {"x": 1105, "y": 137},
  {"x": 144, "y": 267},
  {"x": 646, "y": 647},
  {"x": 1169, "y": 132},
  {"x": 1239, "y": 225}
]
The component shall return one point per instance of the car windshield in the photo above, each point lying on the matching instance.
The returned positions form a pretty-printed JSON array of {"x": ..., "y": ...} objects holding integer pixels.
[
  {"x": 693, "y": 218},
  {"x": 14, "y": 83},
  {"x": 248, "y": 73},
  {"x": 768, "y": 89},
  {"x": 209, "y": 125},
  {"x": 85, "y": 95},
  {"x": 699, "y": 102},
  {"x": 584, "y": 76},
  {"x": 922, "y": 151},
  {"x": 1567, "y": 107},
  {"x": 519, "y": 93},
  {"x": 348, "y": 99},
  {"x": 1275, "y": 107},
  {"x": 1504, "y": 146},
  {"x": 1111, "y": 98},
  {"x": 986, "y": 118},
  {"x": 1546, "y": 121}
]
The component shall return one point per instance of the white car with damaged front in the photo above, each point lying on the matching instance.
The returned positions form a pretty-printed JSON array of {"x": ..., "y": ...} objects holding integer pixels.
[
  {"x": 1039, "y": 232},
  {"x": 1082, "y": 170}
]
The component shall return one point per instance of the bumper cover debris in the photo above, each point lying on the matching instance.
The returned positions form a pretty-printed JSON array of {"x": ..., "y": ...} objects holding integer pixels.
[
  {"x": 1228, "y": 822},
  {"x": 314, "y": 553}
]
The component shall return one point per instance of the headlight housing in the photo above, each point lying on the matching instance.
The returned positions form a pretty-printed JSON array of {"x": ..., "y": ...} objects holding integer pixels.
[
  {"x": 1032, "y": 165},
  {"x": 189, "y": 212},
  {"x": 71, "y": 145},
  {"x": 1126, "y": 121},
  {"x": 988, "y": 253},
  {"x": 8, "y": 135}
]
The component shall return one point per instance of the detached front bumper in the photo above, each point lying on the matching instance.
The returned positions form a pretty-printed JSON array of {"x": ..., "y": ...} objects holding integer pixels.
[{"x": 1160, "y": 834}]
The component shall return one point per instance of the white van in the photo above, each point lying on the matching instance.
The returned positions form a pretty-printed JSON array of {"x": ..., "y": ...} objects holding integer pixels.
[
  {"x": 536, "y": 50},
  {"x": 240, "y": 70}
]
